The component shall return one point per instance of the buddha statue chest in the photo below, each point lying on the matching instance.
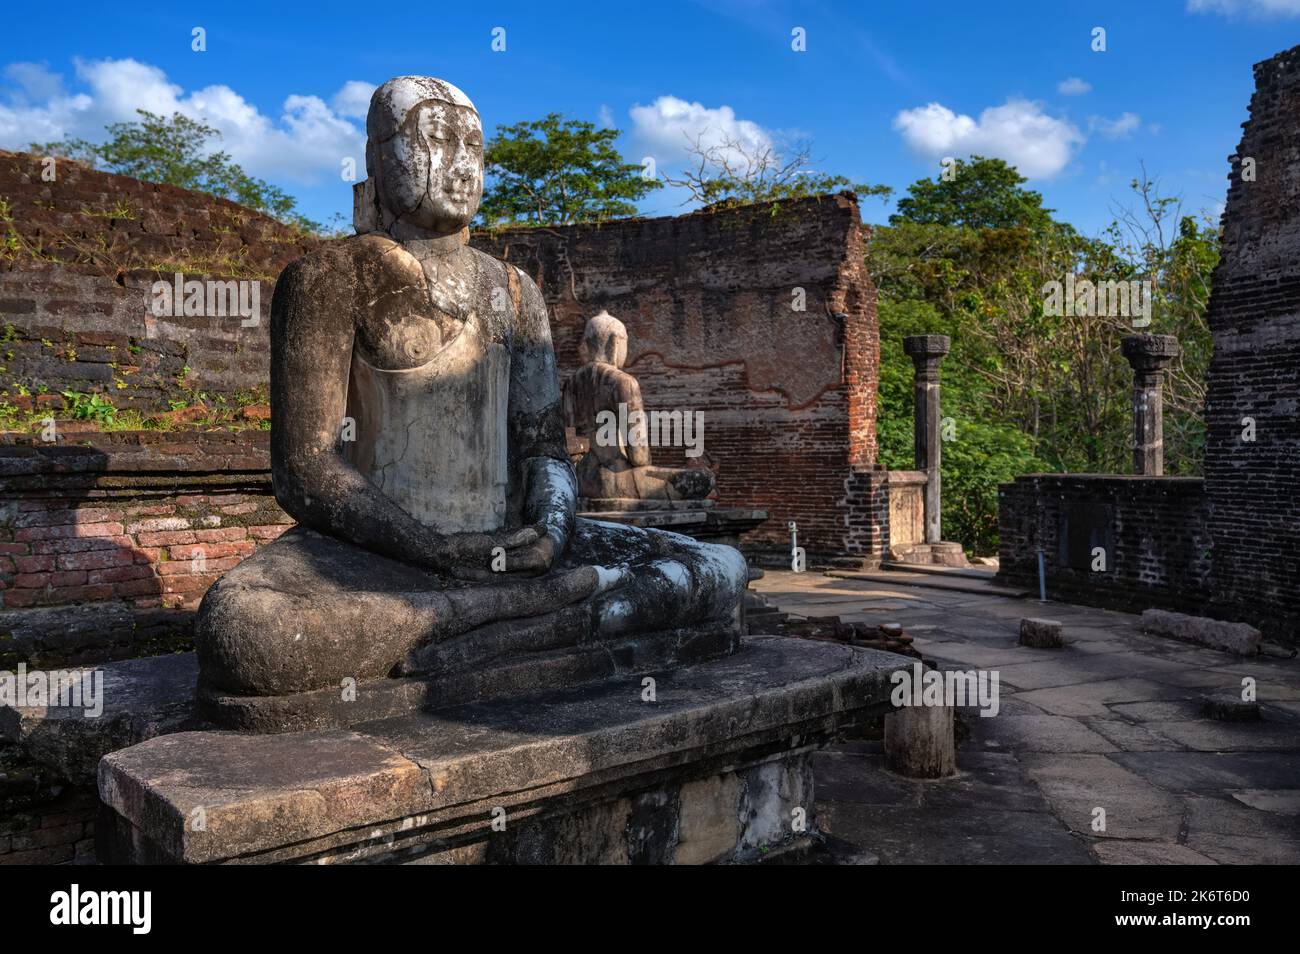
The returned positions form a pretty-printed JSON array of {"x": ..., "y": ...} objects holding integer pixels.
[{"x": 429, "y": 397}]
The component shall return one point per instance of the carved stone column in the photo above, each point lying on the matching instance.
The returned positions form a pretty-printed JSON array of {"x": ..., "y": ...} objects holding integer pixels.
[
  {"x": 927, "y": 351},
  {"x": 1150, "y": 356}
]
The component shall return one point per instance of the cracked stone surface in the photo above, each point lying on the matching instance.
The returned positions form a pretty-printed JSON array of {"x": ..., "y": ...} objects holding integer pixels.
[{"x": 1112, "y": 720}]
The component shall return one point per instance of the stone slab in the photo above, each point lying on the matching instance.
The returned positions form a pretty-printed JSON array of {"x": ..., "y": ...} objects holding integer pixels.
[
  {"x": 142, "y": 698},
  {"x": 1079, "y": 784},
  {"x": 434, "y": 778},
  {"x": 1238, "y": 638}
]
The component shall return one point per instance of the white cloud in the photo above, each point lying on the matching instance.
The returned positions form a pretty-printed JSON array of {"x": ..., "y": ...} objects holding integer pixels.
[
  {"x": 1125, "y": 125},
  {"x": 1019, "y": 132},
  {"x": 34, "y": 81},
  {"x": 669, "y": 127},
  {"x": 304, "y": 144},
  {"x": 606, "y": 117},
  {"x": 1073, "y": 87},
  {"x": 353, "y": 99},
  {"x": 1257, "y": 9}
]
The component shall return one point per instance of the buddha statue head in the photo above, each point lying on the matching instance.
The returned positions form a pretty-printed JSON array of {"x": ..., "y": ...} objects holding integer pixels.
[
  {"x": 605, "y": 340},
  {"x": 424, "y": 158}
]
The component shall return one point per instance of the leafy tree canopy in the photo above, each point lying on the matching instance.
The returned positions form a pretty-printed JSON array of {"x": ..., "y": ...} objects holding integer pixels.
[
  {"x": 555, "y": 172},
  {"x": 176, "y": 152},
  {"x": 979, "y": 194}
]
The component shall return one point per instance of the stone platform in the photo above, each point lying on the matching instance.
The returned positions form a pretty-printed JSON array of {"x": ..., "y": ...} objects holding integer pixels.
[{"x": 714, "y": 768}]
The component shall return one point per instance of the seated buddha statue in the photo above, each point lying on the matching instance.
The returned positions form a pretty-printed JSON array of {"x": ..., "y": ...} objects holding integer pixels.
[
  {"x": 418, "y": 440},
  {"x": 616, "y": 470}
]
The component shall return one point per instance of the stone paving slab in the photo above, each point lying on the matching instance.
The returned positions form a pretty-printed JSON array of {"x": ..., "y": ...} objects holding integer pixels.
[
  {"x": 1040, "y": 733},
  {"x": 1112, "y": 720},
  {"x": 1214, "y": 771},
  {"x": 1149, "y": 853},
  {"x": 1077, "y": 785}
]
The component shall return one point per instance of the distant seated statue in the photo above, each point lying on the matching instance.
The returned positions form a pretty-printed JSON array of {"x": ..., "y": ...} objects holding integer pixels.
[
  {"x": 602, "y": 404},
  {"x": 418, "y": 439}
]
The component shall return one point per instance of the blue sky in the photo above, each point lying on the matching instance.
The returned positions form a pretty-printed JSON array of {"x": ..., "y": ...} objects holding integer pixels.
[{"x": 883, "y": 90}]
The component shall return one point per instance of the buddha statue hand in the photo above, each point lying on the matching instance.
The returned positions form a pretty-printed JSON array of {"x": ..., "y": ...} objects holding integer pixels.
[{"x": 471, "y": 556}]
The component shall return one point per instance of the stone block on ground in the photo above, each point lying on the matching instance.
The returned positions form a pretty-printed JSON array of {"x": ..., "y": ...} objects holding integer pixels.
[
  {"x": 1239, "y": 638},
  {"x": 1041, "y": 633},
  {"x": 919, "y": 741}
]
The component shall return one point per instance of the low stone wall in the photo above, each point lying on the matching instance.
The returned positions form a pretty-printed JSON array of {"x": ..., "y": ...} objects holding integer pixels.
[
  {"x": 1151, "y": 533},
  {"x": 106, "y": 549}
]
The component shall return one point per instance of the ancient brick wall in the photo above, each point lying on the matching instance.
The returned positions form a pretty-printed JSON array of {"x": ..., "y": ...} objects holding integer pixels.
[
  {"x": 1254, "y": 316},
  {"x": 104, "y": 550},
  {"x": 78, "y": 258},
  {"x": 788, "y": 396},
  {"x": 1151, "y": 530}
]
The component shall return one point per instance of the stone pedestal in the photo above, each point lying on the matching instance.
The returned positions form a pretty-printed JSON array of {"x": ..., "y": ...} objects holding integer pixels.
[
  {"x": 706, "y": 763},
  {"x": 1149, "y": 356}
]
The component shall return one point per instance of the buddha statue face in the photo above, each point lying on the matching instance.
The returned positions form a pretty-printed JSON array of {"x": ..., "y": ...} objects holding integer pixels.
[
  {"x": 424, "y": 151},
  {"x": 605, "y": 340}
]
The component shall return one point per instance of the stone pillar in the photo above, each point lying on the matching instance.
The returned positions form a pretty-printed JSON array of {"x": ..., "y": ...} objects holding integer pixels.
[
  {"x": 927, "y": 351},
  {"x": 1149, "y": 355}
]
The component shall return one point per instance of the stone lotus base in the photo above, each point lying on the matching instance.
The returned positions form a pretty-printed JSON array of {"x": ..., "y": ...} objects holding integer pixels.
[{"x": 714, "y": 769}]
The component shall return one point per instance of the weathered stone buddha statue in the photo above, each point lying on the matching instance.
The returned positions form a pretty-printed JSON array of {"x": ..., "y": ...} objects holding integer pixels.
[
  {"x": 616, "y": 470},
  {"x": 418, "y": 439}
]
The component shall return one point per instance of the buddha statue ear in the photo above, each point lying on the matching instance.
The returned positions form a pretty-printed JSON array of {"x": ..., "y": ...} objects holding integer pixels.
[{"x": 365, "y": 207}]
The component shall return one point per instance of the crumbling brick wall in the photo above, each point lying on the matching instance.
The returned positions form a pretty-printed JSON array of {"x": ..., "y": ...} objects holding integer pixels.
[
  {"x": 78, "y": 258},
  {"x": 1254, "y": 316},
  {"x": 1151, "y": 532},
  {"x": 105, "y": 550},
  {"x": 709, "y": 300}
]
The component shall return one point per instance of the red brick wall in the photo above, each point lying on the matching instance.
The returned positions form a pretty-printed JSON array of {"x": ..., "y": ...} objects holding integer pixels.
[
  {"x": 75, "y": 294},
  {"x": 789, "y": 397},
  {"x": 120, "y": 526}
]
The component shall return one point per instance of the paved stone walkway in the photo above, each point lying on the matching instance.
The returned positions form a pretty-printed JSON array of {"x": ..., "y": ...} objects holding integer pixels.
[{"x": 1111, "y": 721}]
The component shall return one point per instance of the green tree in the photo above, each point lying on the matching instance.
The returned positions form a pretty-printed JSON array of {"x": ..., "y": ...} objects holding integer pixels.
[
  {"x": 979, "y": 194},
  {"x": 176, "y": 151},
  {"x": 1028, "y": 389},
  {"x": 730, "y": 173},
  {"x": 553, "y": 172}
]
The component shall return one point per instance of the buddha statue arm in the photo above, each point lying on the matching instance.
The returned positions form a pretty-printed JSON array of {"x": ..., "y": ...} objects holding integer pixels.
[
  {"x": 312, "y": 334},
  {"x": 637, "y": 448},
  {"x": 536, "y": 430}
]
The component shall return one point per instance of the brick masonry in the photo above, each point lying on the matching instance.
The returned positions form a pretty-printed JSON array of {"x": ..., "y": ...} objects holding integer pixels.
[
  {"x": 138, "y": 526},
  {"x": 76, "y": 279},
  {"x": 1253, "y": 498},
  {"x": 1229, "y": 547},
  {"x": 1151, "y": 531},
  {"x": 789, "y": 397}
]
